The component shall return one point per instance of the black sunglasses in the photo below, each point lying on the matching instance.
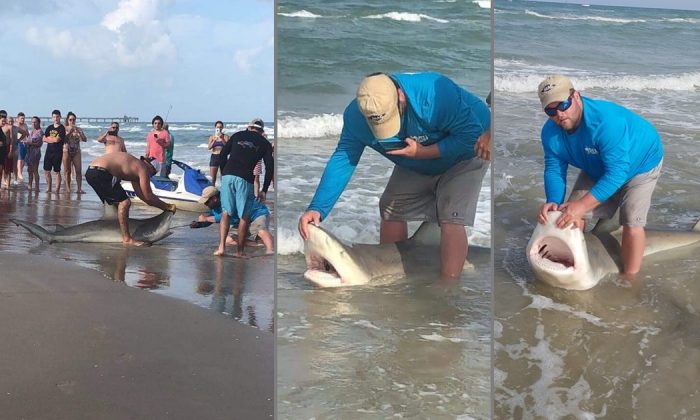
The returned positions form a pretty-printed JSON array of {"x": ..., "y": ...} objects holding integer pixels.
[{"x": 563, "y": 106}]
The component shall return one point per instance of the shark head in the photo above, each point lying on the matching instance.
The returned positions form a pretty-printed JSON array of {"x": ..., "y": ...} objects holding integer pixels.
[
  {"x": 559, "y": 257},
  {"x": 330, "y": 263},
  {"x": 152, "y": 229}
]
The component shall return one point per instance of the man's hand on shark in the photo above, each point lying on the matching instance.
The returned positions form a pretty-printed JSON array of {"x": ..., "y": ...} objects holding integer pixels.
[
  {"x": 310, "y": 216},
  {"x": 546, "y": 208},
  {"x": 572, "y": 214}
]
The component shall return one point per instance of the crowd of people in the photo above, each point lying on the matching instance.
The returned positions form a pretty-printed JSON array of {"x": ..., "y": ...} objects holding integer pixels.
[{"x": 240, "y": 201}]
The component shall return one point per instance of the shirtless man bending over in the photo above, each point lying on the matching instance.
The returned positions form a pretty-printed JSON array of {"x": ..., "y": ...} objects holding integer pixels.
[{"x": 104, "y": 175}]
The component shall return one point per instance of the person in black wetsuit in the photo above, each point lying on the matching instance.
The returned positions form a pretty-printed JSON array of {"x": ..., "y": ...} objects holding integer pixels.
[{"x": 238, "y": 158}]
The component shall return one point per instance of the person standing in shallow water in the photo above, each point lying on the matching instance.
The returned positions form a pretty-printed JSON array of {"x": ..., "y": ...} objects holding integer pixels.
[
  {"x": 111, "y": 139},
  {"x": 215, "y": 144},
  {"x": 33, "y": 144},
  {"x": 438, "y": 137},
  {"x": 54, "y": 137},
  {"x": 157, "y": 142},
  {"x": 22, "y": 148},
  {"x": 620, "y": 156},
  {"x": 238, "y": 158},
  {"x": 169, "y": 152},
  {"x": 72, "y": 156}
]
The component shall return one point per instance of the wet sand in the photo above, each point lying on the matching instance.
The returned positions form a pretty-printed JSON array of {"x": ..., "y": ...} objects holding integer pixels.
[
  {"x": 81, "y": 345},
  {"x": 77, "y": 346}
]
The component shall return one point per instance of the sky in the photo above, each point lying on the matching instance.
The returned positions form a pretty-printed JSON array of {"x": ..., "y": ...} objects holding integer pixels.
[
  {"x": 209, "y": 60},
  {"x": 658, "y": 4}
]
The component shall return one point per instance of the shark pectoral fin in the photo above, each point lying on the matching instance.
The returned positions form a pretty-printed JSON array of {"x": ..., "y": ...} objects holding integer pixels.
[
  {"x": 697, "y": 226},
  {"x": 109, "y": 212},
  {"x": 468, "y": 265},
  {"x": 606, "y": 226},
  {"x": 427, "y": 234}
]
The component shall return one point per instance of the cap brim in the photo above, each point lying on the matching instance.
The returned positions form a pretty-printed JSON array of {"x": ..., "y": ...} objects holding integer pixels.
[
  {"x": 387, "y": 129},
  {"x": 203, "y": 200},
  {"x": 554, "y": 97}
]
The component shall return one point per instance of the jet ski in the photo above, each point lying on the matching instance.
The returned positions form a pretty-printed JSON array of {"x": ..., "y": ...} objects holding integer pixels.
[{"x": 182, "y": 190}]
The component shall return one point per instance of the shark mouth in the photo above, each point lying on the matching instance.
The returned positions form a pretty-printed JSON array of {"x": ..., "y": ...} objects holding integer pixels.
[
  {"x": 552, "y": 254},
  {"x": 320, "y": 271}
]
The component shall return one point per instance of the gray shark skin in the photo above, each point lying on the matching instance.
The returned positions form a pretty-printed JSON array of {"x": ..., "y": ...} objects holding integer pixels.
[
  {"x": 104, "y": 230},
  {"x": 571, "y": 259},
  {"x": 331, "y": 263}
]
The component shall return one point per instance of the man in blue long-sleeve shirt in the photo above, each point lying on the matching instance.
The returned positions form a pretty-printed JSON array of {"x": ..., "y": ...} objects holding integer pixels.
[
  {"x": 438, "y": 136},
  {"x": 620, "y": 157}
]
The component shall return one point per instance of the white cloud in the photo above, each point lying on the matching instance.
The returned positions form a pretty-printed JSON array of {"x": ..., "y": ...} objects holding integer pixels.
[
  {"x": 128, "y": 37},
  {"x": 138, "y": 12},
  {"x": 245, "y": 59}
]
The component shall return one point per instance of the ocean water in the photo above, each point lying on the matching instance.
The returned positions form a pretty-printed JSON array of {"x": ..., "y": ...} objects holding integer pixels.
[
  {"x": 180, "y": 266},
  {"x": 410, "y": 349},
  {"x": 618, "y": 350}
]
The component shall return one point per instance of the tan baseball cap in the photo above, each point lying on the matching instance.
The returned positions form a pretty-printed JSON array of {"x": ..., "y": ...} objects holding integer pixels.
[
  {"x": 378, "y": 100},
  {"x": 556, "y": 88},
  {"x": 208, "y": 193}
]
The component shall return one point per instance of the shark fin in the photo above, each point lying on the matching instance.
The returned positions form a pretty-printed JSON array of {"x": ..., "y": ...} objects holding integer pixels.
[
  {"x": 58, "y": 227},
  {"x": 110, "y": 212},
  {"x": 697, "y": 226},
  {"x": 35, "y": 230},
  {"x": 606, "y": 226},
  {"x": 427, "y": 234}
]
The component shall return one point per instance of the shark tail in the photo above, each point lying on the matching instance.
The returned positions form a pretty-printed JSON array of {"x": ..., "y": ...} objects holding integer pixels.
[
  {"x": 697, "y": 226},
  {"x": 34, "y": 229}
]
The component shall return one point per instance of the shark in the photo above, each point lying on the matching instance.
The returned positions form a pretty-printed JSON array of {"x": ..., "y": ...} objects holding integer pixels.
[
  {"x": 103, "y": 230},
  {"x": 332, "y": 263},
  {"x": 571, "y": 259}
]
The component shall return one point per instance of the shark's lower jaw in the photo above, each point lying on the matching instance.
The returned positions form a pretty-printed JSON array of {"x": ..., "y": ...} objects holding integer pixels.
[{"x": 553, "y": 254}]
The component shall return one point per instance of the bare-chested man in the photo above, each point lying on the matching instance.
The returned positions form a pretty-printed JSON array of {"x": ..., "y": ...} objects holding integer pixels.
[
  {"x": 104, "y": 175},
  {"x": 111, "y": 139}
]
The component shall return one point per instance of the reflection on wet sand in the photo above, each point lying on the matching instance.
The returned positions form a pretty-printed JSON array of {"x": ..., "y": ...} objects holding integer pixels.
[{"x": 180, "y": 266}]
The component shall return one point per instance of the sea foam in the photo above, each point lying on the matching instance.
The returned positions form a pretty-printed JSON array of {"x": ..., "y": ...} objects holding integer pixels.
[
  {"x": 407, "y": 17},
  {"x": 317, "y": 126},
  {"x": 523, "y": 83}
]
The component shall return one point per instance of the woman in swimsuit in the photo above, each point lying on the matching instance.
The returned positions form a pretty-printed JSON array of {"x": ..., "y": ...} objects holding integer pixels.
[
  {"x": 216, "y": 143},
  {"x": 33, "y": 144},
  {"x": 71, "y": 153}
]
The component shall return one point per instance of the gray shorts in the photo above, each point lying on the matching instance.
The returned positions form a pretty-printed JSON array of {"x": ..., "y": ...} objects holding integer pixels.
[
  {"x": 633, "y": 198},
  {"x": 447, "y": 198},
  {"x": 260, "y": 223}
]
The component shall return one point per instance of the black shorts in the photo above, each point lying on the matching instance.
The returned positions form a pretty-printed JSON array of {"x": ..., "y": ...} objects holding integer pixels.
[
  {"x": 52, "y": 160},
  {"x": 107, "y": 186},
  {"x": 214, "y": 160}
]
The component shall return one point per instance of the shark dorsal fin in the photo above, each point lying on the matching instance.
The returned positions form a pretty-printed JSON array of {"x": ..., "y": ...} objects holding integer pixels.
[
  {"x": 697, "y": 226},
  {"x": 110, "y": 212},
  {"x": 427, "y": 234}
]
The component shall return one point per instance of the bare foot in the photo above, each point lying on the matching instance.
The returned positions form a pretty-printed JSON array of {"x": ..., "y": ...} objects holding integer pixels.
[
  {"x": 219, "y": 252},
  {"x": 80, "y": 192},
  {"x": 269, "y": 252},
  {"x": 241, "y": 255},
  {"x": 49, "y": 191},
  {"x": 133, "y": 242}
]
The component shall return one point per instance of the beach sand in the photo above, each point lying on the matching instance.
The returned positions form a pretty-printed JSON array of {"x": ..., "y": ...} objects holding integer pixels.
[{"x": 77, "y": 343}]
